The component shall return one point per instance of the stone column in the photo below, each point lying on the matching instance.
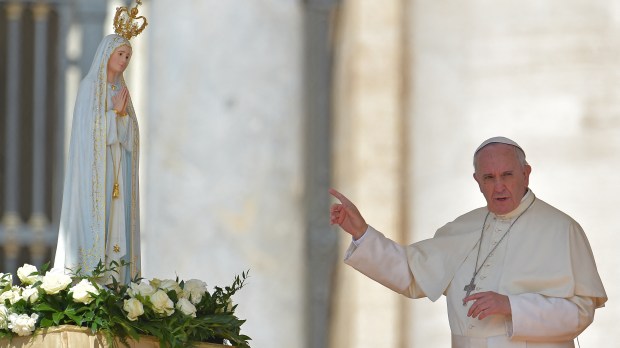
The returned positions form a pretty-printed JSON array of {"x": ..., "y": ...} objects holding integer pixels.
[
  {"x": 369, "y": 160},
  {"x": 11, "y": 219},
  {"x": 38, "y": 220},
  {"x": 321, "y": 246},
  {"x": 62, "y": 116}
]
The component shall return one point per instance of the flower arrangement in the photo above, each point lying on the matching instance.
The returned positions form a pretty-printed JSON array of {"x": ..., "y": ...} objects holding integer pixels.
[{"x": 177, "y": 313}]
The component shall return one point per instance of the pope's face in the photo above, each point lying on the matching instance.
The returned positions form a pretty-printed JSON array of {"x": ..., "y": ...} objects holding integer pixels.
[
  {"x": 119, "y": 60},
  {"x": 502, "y": 179}
]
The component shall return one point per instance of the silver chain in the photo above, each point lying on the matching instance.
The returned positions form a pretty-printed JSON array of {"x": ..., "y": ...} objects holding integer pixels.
[{"x": 476, "y": 268}]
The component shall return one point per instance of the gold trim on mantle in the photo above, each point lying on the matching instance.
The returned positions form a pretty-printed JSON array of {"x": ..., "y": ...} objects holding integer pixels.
[{"x": 69, "y": 336}]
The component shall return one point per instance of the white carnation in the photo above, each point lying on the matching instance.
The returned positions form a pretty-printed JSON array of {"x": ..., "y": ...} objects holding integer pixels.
[{"x": 22, "y": 324}]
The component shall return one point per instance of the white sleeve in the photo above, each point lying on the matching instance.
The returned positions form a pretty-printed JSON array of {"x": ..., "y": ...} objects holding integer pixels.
[
  {"x": 355, "y": 244},
  {"x": 384, "y": 261},
  {"x": 550, "y": 319},
  {"x": 125, "y": 137},
  {"x": 112, "y": 133},
  {"x": 119, "y": 130}
]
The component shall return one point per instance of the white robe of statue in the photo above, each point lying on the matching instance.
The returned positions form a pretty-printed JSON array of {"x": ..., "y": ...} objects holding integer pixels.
[{"x": 94, "y": 226}]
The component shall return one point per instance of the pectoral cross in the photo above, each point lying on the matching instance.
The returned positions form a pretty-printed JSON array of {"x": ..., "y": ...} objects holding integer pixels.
[{"x": 469, "y": 288}]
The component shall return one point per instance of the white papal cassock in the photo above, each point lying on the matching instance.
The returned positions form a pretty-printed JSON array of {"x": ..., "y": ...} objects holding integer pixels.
[{"x": 544, "y": 265}]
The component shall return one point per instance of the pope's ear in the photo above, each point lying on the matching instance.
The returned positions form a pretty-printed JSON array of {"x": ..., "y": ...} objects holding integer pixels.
[{"x": 527, "y": 169}]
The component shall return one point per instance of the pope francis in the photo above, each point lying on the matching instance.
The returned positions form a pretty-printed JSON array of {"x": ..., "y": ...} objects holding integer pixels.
[{"x": 516, "y": 273}]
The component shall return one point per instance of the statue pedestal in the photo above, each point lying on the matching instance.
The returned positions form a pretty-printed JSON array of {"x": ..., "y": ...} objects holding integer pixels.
[{"x": 69, "y": 336}]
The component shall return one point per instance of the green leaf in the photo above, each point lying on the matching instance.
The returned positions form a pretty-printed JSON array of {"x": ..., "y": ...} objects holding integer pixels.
[
  {"x": 57, "y": 317},
  {"x": 44, "y": 307}
]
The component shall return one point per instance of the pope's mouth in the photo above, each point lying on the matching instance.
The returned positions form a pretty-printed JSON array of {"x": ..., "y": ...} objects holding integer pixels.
[{"x": 501, "y": 199}]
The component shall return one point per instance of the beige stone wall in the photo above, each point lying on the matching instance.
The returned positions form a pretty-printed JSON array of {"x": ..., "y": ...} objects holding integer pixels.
[{"x": 223, "y": 174}]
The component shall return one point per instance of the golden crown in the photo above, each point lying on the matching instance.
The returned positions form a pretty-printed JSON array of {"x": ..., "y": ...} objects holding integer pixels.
[{"x": 127, "y": 23}]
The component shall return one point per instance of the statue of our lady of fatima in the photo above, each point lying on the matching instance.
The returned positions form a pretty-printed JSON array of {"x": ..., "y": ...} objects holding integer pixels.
[{"x": 100, "y": 216}]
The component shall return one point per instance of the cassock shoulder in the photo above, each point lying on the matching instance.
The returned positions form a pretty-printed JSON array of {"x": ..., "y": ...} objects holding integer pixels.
[
  {"x": 466, "y": 223},
  {"x": 549, "y": 254},
  {"x": 552, "y": 220}
]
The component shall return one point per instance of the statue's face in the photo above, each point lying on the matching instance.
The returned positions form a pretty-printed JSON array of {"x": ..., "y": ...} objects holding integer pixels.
[
  {"x": 119, "y": 60},
  {"x": 502, "y": 179}
]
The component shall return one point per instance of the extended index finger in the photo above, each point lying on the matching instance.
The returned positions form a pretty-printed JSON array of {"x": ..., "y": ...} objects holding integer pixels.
[{"x": 339, "y": 196}]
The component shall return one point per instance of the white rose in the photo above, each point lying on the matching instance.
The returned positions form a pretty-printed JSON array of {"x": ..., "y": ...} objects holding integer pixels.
[
  {"x": 144, "y": 289},
  {"x": 186, "y": 307},
  {"x": 22, "y": 324},
  {"x": 162, "y": 304},
  {"x": 155, "y": 282},
  {"x": 30, "y": 294},
  {"x": 54, "y": 283},
  {"x": 4, "y": 317},
  {"x": 83, "y": 292},
  {"x": 195, "y": 289},
  {"x": 169, "y": 284},
  {"x": 24, "y": 274},
  {"x": 13, "y": 295},
  {"x": 6, "y": 279},
  {"x": 134, "y": 308}
]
